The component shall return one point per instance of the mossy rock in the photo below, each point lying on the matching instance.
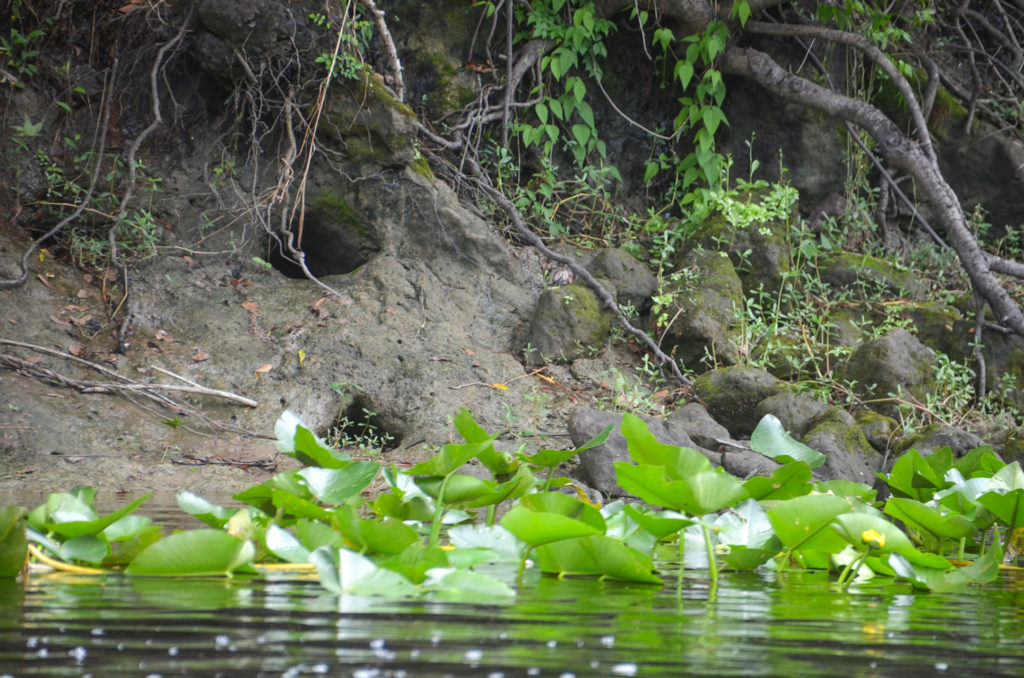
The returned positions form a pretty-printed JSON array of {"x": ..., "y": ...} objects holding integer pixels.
[
  {"x": 1013, "y": 449},
  {"x": 869, "y": 274},
  {"x": 436, "y": 43},
  {"x": 845, "y": 325},
  {"x": 732, "y": 394},
  {"x": 759, "y": 251},
  {"x": 879, "y": 430},
  {"x": 935, "y": 324},
  {"x": 893, "y": 363},
  {"x": 372, "y": 126},
  {"x": 568, "y": 323},
  {"x": 634, "y": 284},
  {"x": 939, "y": 435},
  {"x": 783, "y": 355},
  {"x": 850, "y": 456},
  {"x": 701, "y": 320}
]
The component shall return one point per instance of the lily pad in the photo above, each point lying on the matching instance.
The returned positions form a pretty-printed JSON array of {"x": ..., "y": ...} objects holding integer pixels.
[
  {"x": 805, "y": 522},
  {"x": 196, "y": 553},
  {"x": 13, "y": 543},
  {"x": 771, "y": 439}
]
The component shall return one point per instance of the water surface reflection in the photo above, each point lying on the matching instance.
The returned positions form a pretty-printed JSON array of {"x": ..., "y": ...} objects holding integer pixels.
[{"x": 752, "y": 625}]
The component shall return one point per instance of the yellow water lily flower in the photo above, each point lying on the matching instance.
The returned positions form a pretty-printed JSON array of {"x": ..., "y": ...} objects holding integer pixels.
[{"x": 873, "y": 538}]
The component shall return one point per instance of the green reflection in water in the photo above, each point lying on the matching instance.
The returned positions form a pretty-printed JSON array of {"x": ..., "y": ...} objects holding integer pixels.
[{"x": 793, "y": 624}]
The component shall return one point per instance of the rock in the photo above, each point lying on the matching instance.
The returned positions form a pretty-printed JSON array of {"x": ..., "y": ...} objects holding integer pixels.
[
  {"x": 568, "y": 323},
  {"x": 846, "y": 270},
  {"x": 850, "y": 457},
  {"x": 879, "y": 430},
  {"x": 939, "y": 435},
  {"x": 633, "y": 282},
  {"x": 699, "y": 318},
  {"x": 759, "y": 251},
  {"x": 732, "y": 394},
  {"x": 261, "y": 30},
  {"x": 796, "y": 411},
  {"x": 375, "y": 130},
  {"x": 699, "y": 425},
  {"x": 893, "y": 362},
  {"x": 935, "y": 325}
]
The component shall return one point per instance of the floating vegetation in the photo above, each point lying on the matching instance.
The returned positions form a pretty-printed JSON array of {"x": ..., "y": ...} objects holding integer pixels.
[{"x": 436, "y": 527}]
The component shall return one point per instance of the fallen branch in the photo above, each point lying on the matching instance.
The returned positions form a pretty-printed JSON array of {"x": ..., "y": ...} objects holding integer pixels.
[{"x": 125, "y": 384}]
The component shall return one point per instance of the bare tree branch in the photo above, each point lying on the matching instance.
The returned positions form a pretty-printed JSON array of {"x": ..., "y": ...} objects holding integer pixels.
[
  {"x": 876, "y": 55},
  {"x": 900, "y": 152}
]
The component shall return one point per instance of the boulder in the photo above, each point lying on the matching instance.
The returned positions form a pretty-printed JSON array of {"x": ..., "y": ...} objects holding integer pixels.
[
  {"x": 846, "y": 270},
  {"x": 850, "y": 457},
  {"x": 732, "y": 394},
  {"x": 893, "y": 363},
  {"x": 879, "y": 430},
  {"x": 934, "y": 436},
  {"x": 698, "y": 317},
  {"x": 567, "y": 323},
  {"x": 796, "y": 411},
  {"x": 632, "y": 281}
]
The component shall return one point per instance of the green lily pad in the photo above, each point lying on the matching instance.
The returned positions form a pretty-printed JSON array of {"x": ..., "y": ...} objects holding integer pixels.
[
  {"x": 71, "y": 517},
  {"x": 981, "y": 571},
  {"x": 660, "y": 525},
  {"x": 644, "y": 449},
  {"x": 196, "y": 553},
  {"x": 13, "y": 543},
  {"x": 925, "y": 518},
  {"x": 541, "y": 527},
  {"x": 496, "y": 462},
  {"x": 295, "y": 440},
  {"x": 261, "y": 496},
  {"x": 208, "y": 512},
  {"x": 385, "y": 536},
  {"x": 343, "y": 571},
  {"x": 771, "y": 439},
  {"x": 786, "y": 482},
  {"x": 459, "y": 488},
  {"x": 339, "y": 484},
  {"x": 596, "y": 555},
  {"x": 806, "y": 522},
  {"x": 453, "y": 584},
  {"x": 285, "y": 545},
  {"x": 1008, "y": 508},
  {"x": 451, "y": 458}
]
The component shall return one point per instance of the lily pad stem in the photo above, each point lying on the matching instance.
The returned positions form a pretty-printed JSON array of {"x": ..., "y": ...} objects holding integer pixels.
[
  {"x": 712, "y": 565},
  {"x": 435, "y": 526}
]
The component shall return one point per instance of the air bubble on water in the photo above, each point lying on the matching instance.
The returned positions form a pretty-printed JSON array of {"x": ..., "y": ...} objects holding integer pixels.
[
  {"x": 78, "y": 653},
  {"x": 473, "y": 655},
  {"x": 624, "y": 669},
  {"x": 221, "y": 641}
]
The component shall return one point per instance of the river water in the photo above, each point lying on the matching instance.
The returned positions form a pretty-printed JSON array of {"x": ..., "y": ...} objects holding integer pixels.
[{"x": 761, "y": 624}]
